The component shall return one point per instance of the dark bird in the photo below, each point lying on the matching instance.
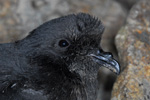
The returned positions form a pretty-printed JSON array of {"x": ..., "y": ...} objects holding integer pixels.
[{"x": 59, "y": 60}]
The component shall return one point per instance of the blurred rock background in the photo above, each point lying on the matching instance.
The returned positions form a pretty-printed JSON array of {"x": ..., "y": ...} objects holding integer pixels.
[{"x": 19, "y": 17}]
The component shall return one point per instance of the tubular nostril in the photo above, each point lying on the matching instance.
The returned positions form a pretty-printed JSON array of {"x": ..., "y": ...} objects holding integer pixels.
[
  {"x": 100, "y": 51},
  {"x": 108, "y": 55},
  {"x": 105, "y": 54}
]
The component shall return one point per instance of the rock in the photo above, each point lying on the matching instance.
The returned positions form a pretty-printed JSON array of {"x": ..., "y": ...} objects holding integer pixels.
[
  {"x": 133, "y": 45},
  {"x": 9, "y": 26}
]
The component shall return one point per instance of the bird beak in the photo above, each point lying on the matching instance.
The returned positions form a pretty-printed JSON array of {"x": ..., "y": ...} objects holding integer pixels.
[{"x": 106, "y": 59}]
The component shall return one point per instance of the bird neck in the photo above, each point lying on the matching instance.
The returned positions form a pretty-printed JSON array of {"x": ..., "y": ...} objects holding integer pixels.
[
  {"x": 67, "y": 85},
  {"x": 90, "y": 86},
  {"x": 73, "y": 89}
]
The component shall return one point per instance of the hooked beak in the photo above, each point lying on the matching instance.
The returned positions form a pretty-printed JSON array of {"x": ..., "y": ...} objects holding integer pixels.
[{"x": 106, "y": 59}]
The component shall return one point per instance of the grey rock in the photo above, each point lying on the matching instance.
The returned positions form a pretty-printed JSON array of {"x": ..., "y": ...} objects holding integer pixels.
[{"x": 133, "y": 46}]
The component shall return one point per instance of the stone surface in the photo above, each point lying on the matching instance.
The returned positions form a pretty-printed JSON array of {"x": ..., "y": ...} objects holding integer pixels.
[
  {"x": 9, "y": 28},
  {"x": 133, "y": 44}
]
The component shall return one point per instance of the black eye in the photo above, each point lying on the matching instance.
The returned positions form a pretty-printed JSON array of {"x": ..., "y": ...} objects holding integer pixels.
[{"x": 63, "y": 43}]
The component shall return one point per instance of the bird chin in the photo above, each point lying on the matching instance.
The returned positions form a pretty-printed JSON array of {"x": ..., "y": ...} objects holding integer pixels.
[
  {"x": 84, "y": 66},
  {"x": 86, "y": 71}
]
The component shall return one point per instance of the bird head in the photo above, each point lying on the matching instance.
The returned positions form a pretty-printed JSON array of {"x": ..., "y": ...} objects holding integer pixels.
[
  {"x": 68, "y": 49},
  {"x": 71, "y": 42}
]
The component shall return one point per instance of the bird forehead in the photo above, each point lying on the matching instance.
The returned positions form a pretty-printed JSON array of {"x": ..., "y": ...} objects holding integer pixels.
[{"x": 80, "y": 23}]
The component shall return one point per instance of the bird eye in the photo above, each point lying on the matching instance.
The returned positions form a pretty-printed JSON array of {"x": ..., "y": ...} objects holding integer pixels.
[{"x": 63, "y": 43}]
